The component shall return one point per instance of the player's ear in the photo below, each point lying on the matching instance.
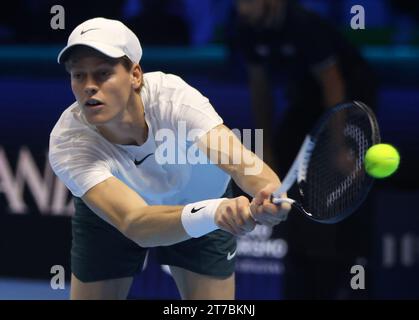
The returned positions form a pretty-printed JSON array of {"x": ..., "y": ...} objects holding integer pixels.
[{"x": 136, "y": 77}]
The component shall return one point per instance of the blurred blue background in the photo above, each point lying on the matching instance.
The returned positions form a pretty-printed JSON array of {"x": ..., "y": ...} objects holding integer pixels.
[{"x": 191, "y": 39}]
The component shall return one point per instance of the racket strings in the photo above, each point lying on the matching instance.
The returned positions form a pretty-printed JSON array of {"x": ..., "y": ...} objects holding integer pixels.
[{"x": 336, "y": 178}]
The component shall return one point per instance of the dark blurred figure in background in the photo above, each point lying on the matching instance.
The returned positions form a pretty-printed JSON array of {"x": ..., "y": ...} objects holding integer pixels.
[
  {"x": 280, "y": 39},
  {"x": 157, "y": 24}
]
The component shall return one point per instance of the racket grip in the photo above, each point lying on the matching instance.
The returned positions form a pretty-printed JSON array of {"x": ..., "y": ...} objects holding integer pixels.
[
  {"x": 253, "y": 218},
  {"x": 280, "y": 200}
]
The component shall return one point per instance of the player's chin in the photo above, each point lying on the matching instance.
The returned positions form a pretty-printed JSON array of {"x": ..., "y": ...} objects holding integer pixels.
[{"x": 97, "y": 118}]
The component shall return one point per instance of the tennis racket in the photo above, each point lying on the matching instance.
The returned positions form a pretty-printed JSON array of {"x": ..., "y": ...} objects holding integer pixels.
[{"x": 329, "y": 168}]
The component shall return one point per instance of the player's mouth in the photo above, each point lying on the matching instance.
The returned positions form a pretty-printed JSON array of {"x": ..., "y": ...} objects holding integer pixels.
[{"x": 93, "y": 104}]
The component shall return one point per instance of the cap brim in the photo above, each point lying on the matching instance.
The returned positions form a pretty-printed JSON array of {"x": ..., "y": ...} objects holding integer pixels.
[{"x": 102, "y": 48}]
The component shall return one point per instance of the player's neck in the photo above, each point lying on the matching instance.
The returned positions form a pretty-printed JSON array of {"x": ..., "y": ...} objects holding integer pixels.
[{"x": 130, "y": 127}]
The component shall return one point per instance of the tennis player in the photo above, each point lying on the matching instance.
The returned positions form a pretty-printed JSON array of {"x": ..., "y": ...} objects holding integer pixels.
[{"x": 106, "y": 149}]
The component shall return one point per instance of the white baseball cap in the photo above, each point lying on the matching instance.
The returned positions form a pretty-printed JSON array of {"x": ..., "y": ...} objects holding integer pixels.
[{"x": 110, "y": 37}]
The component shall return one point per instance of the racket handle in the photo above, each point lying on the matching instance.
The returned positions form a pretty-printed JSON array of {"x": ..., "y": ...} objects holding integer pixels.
[
  {"x": 292, "y": 173},
  {"x": 281, "y": 200},
  {"x": 292, "y": 202},
  {"x": 281, "y": 190},
  {"x": 253, "y": 218}
]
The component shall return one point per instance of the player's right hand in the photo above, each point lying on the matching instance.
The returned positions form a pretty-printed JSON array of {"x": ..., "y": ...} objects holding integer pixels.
[
  {"x": 233, "y": 215},
  {"x": 264, "y": 211}
]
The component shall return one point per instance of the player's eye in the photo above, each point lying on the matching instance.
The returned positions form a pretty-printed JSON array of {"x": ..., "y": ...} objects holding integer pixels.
[
  {"x": 76, "y": 75},
  {"x": 104, "y": 74}
]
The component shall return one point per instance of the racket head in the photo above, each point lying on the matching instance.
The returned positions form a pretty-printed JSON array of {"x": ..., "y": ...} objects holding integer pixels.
[{"x": 331, "y": 178}]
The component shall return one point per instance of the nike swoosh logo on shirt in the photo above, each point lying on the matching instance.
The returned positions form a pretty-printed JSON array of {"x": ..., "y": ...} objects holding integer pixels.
[
  {"x": 231, "y": 255},
  {"x": 137, "y": 163},
  {"x": 196, "y": 210},
  {"x": 84, "y": 31}
]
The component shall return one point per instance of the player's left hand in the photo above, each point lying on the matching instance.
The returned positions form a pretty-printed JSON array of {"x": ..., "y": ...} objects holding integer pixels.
[{"x": 264, "y": 211}]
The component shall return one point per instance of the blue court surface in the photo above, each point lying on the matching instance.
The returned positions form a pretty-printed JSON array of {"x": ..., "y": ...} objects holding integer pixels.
[{"x": 24, "y": 289}]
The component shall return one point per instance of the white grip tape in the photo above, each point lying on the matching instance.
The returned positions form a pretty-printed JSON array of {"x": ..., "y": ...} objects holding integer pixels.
[
  {"x": 198, "y": 218},
  {"x": 280, "y": 200}
]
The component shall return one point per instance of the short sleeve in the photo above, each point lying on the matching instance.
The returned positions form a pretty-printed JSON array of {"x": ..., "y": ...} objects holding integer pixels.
[
  {"x": 193, "y": 109},
  {"x": 80, "y": 164}
]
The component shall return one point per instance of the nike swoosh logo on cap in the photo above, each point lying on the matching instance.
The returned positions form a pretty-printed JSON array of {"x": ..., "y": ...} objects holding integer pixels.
[
  {"x": 137, "y": 163},
  {"x": 84, "y": 31},
  {"x": 231, "y": 255}
]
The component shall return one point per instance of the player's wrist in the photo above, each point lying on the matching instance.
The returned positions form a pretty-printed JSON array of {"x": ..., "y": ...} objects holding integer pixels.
[{"x": 198, "y": 218}]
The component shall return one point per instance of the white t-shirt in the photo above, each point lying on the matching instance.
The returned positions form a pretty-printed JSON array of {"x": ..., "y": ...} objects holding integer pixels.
[{"x": 82, "y": 158}]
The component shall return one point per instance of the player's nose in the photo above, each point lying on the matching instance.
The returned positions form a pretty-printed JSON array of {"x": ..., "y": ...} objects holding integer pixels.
[{"x": 90, "y": 86}]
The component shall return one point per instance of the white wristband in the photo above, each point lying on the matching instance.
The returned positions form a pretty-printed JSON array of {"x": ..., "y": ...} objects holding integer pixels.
[{"x": 198, "y": 218}]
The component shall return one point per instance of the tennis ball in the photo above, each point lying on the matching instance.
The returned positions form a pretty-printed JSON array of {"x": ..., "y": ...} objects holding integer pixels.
[{"x": 381, "y": 160}]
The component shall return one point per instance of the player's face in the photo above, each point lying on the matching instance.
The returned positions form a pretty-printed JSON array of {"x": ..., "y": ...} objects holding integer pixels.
[{"x": 101, "y": 88}]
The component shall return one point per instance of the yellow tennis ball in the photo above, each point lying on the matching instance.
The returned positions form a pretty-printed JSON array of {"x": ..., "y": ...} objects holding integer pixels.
[{"x": 381, "y": 160}]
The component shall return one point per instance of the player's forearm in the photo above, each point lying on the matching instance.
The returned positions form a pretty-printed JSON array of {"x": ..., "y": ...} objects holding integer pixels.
[
  {"x": 153, "y": 226},
  {"x": 146, "y": 225},
  {"x": 252, "y": 179},
  {"x": 167, "y": 225},
  {"x": 250, "y": 173}
]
